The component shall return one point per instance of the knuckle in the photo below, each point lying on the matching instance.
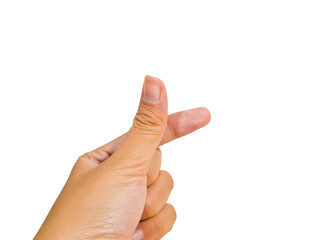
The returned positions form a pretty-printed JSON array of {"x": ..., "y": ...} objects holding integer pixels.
[
  {"x": 78, "y": 163},
  {"x": 87, "y": 155},
  {"x": 149, "y": 120},
  {"x": 168, "y": 178},
  {"x": 83, "y": 162},
  {"x": 173, "y": 213}
]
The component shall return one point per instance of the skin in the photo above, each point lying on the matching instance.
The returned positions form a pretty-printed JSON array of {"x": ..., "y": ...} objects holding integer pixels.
[{"x": 118, "y": 191}]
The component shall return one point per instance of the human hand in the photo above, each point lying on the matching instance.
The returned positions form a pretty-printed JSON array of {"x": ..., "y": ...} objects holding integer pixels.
[{"x": 118, "y": 191}]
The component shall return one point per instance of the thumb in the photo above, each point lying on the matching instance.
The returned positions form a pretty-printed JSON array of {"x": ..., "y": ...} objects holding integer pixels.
[{"x": 147, "y": 129}]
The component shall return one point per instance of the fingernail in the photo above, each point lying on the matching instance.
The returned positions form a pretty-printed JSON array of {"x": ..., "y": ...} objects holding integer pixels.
[
  {"x": 138, "y": 235},
  {"x": 151, "y": 90}
]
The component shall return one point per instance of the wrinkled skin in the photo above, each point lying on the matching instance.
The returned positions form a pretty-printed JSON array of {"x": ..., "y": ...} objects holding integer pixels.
[{"x": 118, "y": 191}]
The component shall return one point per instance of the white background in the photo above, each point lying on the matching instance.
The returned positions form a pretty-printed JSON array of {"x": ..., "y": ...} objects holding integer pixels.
[{"x": 71, "y": 73}]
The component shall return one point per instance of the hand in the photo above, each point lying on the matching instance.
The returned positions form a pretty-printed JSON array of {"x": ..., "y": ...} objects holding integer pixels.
[{"x": 118, "y": 191}]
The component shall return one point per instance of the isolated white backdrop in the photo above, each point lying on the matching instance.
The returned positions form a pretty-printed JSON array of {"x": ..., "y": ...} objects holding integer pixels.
[{"x": 71, "y": 73}]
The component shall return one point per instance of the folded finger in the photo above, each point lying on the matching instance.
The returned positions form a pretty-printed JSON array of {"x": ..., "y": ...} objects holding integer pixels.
[
  {"x": 156, "y": 227},
  {"x": 157, "y": 195}
]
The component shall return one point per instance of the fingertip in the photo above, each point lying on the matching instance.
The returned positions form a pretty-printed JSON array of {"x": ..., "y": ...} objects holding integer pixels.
[
  {"x": 151, "y": 77},
  {"x": 154, "y": 94},
  {"x": 155, "y": 80},
  {"x": 152, "y": 88},
  {"x": 197, "y": 117},
  {"x": 204, "y": 114},
  {"x": 158, "y": 81},
  {"x": 185, "y": 122}
]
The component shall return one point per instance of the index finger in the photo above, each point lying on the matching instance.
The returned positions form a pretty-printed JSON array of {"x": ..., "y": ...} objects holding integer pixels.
[
  {"x": 182, "y": 123},
  {"x": 179, "y": 124}
]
